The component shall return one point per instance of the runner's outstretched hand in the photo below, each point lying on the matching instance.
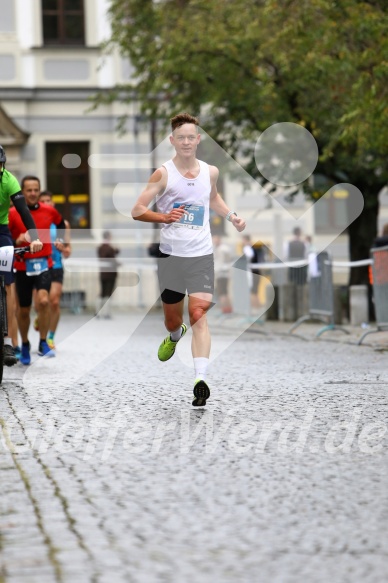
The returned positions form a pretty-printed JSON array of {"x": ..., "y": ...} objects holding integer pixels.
[{"x": 238, "y": 223}]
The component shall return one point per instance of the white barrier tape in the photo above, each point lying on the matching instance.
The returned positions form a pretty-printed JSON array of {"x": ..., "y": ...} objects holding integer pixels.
[
  {"x": 280, "y": 264},
  {"x": 304, "y": 262},
  {"x": 359, "y": 263},
  {"x": 76, "y": 265},
  {"x": 83, "y": 262}
]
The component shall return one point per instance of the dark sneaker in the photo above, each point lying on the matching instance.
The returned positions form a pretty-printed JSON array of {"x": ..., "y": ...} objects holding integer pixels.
[
  {"x": 25, "y": 357},
  {"x": 201, "y": 393},
  {"x": 9, "y": 358},
  {"x": 167, "y": 348},
  {"x": 45, "y": 350}
]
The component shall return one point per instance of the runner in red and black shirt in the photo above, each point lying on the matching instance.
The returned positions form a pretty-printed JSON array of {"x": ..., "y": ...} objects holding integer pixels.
[
  {"x": 34, "y": 270},
  {"x": 10, "y": 193}
]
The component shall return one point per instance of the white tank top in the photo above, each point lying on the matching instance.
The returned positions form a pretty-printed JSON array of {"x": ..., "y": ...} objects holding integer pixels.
[{"x": 190, "y": 237}]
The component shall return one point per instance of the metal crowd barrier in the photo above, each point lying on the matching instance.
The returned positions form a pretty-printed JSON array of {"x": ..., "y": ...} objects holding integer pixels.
[
  {"x": 279, "y": 272},
  {"x": 241, "y": 293},
  {"x": 74, "y": 300},
  {"x": 240, "y": 288},
  {"x": 380, "y": 290},
  {"x": 321, "y": 297},
  {"x": 136, "y": 279}
]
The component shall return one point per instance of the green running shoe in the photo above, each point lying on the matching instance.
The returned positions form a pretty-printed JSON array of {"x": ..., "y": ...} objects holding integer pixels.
[
  {"x": 167, "y": 348},
  {"x": 201, "y": 393}
]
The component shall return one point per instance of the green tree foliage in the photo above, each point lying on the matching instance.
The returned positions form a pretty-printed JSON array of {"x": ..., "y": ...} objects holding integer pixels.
[{"x": 246, "y": 64}]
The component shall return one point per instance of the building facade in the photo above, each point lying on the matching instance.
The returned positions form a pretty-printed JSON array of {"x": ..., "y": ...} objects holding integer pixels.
[{"x": 51, "y": 67}]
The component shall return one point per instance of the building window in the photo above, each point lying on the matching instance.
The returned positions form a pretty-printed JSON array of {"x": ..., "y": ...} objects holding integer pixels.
[
  {"x": 63, "y": 22},
  {"x": 67, "y": 177}
]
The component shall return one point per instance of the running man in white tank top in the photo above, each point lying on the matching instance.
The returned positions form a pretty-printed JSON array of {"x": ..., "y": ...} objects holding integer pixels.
[{"x": 185, "y": 189}]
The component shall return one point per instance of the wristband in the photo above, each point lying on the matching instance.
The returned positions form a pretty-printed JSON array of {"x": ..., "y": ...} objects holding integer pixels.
[{"x": 228, "y": 216}]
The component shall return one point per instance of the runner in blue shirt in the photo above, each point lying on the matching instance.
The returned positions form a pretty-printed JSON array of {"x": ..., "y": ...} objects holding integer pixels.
[{"x": 57, "y": 272}]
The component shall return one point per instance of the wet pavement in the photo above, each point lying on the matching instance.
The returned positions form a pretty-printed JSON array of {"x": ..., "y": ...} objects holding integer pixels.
[{"x": 109, "y": 475}]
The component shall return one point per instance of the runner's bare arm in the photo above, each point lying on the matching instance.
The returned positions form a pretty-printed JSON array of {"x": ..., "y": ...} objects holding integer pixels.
[
  {"x": 67, "y": 244},
  {"x": 140, "y": 212},
  {"x": 218, "y": 205},
  {"x": 64, "y": 245}
]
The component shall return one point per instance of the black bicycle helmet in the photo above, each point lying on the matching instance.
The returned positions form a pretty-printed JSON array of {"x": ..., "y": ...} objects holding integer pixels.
[{"x": 3, "y": 157}]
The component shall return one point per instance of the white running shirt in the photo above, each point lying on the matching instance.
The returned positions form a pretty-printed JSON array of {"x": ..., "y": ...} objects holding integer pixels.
[{"x": 191, "y": 236}]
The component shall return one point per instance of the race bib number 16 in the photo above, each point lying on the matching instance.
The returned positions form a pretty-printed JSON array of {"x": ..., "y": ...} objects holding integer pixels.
[{"x": 193, "y": 218}]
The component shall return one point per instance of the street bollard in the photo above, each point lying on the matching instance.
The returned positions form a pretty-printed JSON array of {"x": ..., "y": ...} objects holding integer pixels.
[{"x": 358, "y": 301}]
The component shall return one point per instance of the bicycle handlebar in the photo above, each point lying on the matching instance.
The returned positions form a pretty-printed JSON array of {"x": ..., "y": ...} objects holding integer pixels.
[{"x": 22, "y": 250}]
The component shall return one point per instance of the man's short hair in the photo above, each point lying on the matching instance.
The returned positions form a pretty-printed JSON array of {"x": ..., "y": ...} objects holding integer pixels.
[
  {"x": 179, "y": 120},
  {"x": 29, "y": 177},
  {"x": 46, "y": 193}
]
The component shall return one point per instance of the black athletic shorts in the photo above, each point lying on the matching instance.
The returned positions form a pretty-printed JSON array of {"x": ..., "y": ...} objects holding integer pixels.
[
  {"x": 57, "y": 275},
  {"x": 5, "y": 241},
  {"x": 255, "y": 281},
  {"x": 26, "y": 283},
  {"x": 180, "y": 274}
]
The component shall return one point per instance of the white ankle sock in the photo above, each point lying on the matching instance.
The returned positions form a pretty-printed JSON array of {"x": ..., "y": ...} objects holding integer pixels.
[
  {"x": 7, "y": 341},
  {"x": 176, "y": 334},
  {"x": 200, "y": 366}
]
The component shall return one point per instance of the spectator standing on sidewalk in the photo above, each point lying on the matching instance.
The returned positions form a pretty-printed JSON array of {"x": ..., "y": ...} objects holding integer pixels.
[
  {"x": 108, "y": 273},
  {"x": 34, "y": 271},
  {"x": 379, "y": 241},
  {"x": 253, "y": 254},
  {"x": 296, "y": 250},
  {"x": 382, "y": 240},
  {"x": 312, "y": 256},
  {"x": 10, "y": 192},
  {"x": 222, "y": 263}
]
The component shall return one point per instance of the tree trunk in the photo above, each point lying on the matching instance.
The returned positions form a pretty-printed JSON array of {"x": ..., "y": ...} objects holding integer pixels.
[{"x": 362, "y": 233}]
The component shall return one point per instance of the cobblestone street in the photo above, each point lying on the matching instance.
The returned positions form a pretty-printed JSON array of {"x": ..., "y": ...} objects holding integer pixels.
[{"x": 108, "y": 475}]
